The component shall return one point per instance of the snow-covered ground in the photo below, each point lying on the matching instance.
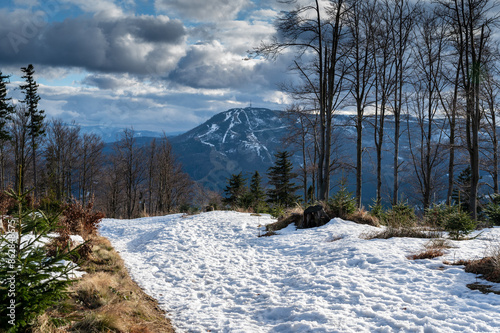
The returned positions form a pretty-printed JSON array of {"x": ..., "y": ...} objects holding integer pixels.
[{"x": 213, "y": 274}]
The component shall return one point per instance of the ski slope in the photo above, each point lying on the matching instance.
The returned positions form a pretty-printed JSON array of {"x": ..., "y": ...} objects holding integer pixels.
[{"x": 211, "y": 273}]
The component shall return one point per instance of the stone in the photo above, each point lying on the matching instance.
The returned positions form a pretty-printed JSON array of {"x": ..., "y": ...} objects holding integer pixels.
[{"x": 314, "y": 216}]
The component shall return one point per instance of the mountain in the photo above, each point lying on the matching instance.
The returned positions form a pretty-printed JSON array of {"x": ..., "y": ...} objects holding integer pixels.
[
  {"x": 111, "y": 134},
  {"x": 234, "y": 141}
]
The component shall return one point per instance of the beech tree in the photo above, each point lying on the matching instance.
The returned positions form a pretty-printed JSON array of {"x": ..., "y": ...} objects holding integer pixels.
[
  {"x": 362, "y": 20},
  {"x": 129, "y": 158},
  {"x": 315, "y": 33},
  {"x": 471, "y": 23},
  {"x": 425, "y": 139}
]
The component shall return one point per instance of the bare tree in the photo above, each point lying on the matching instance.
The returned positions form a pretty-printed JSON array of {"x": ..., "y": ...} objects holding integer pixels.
[
  {"x": 173, "y": 186},
  {"x": 491, "y": 106},
  {"x": 90, "y": 165},
  {"x": 302, "y": 137},
  {"x": 362, "y": 21},
  {"x": 425, "y": 140},
  {"x": 471, "y": 22},
  {"x": 20, "y": 135},
  {"x": 316, "y": 32},
  {"x": 130, "y": 169},
  {"x": 61, "y": 158}
]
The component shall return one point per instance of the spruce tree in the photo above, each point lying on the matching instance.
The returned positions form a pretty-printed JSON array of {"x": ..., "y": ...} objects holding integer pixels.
[
  {"x": 257, "y": 193},
  {"x": 30, "y": 280},
  {"x": 36, "y": 117},
  {"x": 6, "y": 109},
  {"x": 461, "y": 194},
  {"x": 235, "y": 191},
  {"x": 281, "y": 179}
]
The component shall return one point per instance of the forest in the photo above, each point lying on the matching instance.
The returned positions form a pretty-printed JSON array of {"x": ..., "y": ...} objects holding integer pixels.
[{"x": 435, "y": 63}]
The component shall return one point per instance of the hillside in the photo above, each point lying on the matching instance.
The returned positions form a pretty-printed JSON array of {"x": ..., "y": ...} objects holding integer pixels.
[
  {"x": 213, "y": 274},
  {"x": 237, "y": 140}
]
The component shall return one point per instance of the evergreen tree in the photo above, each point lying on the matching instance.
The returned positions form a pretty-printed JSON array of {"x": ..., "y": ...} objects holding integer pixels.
[
  {"x": 235, "y": 191},
  {"x": 30, "y": 280},
  {"x": 280, "y": 177},
  {"x": 257, "y": 193},
  {"x": 461, "y": 193},
  {"x": 6, "y": 109},
  {"x": 36, "y": 117}
]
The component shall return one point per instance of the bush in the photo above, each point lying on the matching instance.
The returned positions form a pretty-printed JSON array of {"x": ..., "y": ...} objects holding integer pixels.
[
  {"x": 459, "y": 224},
  {"x": 377, "y": 210},
  {"x": 437, "y": 215},
  {"x": 342, "y": 204},
  {"x": 277, "y": 211},
  {"x": 77, "y": 219},
  {"x": 400, "y": 216},
  {"x": 492, "y": 210}
]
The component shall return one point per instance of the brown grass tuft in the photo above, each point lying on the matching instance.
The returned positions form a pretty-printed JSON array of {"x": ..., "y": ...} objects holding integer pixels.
[
  {"x": 390, "y": 232},
  {"x": 427, "y": 254},
  {"x": 363, "y": 217},
  {"x": 438, "y": 243}
]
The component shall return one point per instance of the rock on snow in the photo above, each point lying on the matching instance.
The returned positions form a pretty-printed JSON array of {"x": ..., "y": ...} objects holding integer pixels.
[{"x": 212, "y": 273}]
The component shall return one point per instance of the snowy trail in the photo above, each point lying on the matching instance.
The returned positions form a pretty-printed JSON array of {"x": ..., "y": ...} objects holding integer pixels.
[{"x": 212, "y": 273}]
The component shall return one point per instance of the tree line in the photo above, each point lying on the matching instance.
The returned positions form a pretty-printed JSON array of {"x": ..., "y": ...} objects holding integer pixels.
[
  {"x": 58, "y": 163},
  {"x": 434, "y": 61}
]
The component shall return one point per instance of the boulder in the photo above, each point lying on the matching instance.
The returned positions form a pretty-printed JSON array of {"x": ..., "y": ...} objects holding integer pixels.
[{"x": 314, "y": 216}]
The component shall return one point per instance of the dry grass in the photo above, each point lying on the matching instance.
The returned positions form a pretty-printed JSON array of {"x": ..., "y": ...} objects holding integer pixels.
[
  {"x": 105, "y": 300},
  {"x": 487, "y": 268},
  {"x": 409, "y": 232},
  {"x": 363, "y": 217},
  {"x": 438, "y": 243},
  {"x": 427, "y": 254}
]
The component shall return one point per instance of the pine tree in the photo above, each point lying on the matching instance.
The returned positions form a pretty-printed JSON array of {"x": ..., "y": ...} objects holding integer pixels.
[
  {"x": 235, "y": 191},
  {"x": 6, "y": 109},
  {"x": 280, "y": 177},
  {"x": 36, "y": 117},
  {"x": 257, "y": 193}
]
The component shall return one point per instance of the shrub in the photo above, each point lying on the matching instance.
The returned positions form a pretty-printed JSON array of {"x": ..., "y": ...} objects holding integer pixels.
[
  {"x": 342, "y": 204},
  {"x": 459, "y": 224},
  {"x": 492, "y": 210},
  {"x": 437, "y": 215},
  {"x": 400, "y": 216},
  {"x": 277, "y": 211},
  {"x": 377, "y": 210},
  {"x": 81, "y": 220}
]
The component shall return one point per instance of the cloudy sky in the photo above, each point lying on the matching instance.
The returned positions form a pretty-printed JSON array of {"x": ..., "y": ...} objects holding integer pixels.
[{"x": 151, "y": 64}]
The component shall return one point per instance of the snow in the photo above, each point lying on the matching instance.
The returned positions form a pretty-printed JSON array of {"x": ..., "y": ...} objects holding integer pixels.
[{"x": 213, "y": 274}]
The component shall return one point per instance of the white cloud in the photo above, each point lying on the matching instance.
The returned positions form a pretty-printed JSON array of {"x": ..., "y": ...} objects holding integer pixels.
[{"x": 203, "y": 10}]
